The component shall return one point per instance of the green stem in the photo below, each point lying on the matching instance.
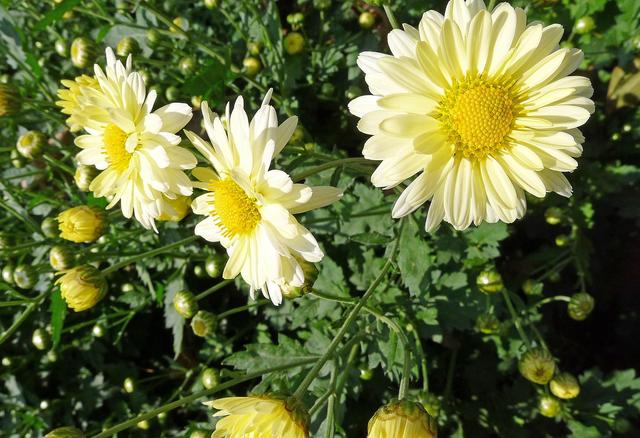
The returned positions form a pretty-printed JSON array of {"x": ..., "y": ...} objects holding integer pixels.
[
  {"x": 147, "y": 254},
  {"x": 60, "y": 165},
  {"x": 311, "y": 375},
  {"x": 242, "y": 308},
  {"x": 515, "y": 317},
  {"x": 330, "y": 429},
  {"x": 391, "y": 17},
  {"x": 27, "y": 220},
  {"x": 193, "y": 397},
  {"x": 23, "y": 317},
  {"x": 547, "y": 300},
  {"x": 212, "y": 289},
  {"x": 331, "y": 164},
  {"x": 452, "y": 366}
]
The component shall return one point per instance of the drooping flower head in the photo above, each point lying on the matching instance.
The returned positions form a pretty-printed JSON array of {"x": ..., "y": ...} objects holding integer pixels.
[
  {"x": 136, "y": 148},
  {"x": 260, "y": 417},
  {"x": 250, "y": 208},
  {"x": 480, "y": 106},
  {"x": 401, "y": 419}
]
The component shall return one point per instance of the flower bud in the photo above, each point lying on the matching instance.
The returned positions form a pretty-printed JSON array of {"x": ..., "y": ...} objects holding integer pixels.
[
  {"x": 83, "y": 52},
  {"x": 553, "y": 215},
  {"x": 179, "y": 24},
  {"x": 251, "y": 65},
  {"x": 174, "y": 210},
  {"x": 199, "y": 434},
  {"x": 127, "y": 46},
  {"x": 254, "y": 47},
  {"x": 537, "y": 365},
  {"x": 204, "y": 323},
  {"x": 84, "y": 175},
  {"x": 185, "y": 304},
  {"x": 564, "y": 386},
  {"x": 367, "y": 20},
  {"x": 98, "y": 330},
  {"x": 293, "y": 43},
  {"x": 210, "y": 378},
  {"x": 580, "y": 306},
  {"x": 81, "y": 224},
  {"x": 143, "y": 425},
  {"x": 41, "y": 339},
  {"x": 489, "y": 282},
  {"x": 187, "y": 65},
  {"x": 153, "y": 37},
  {"x": 548, "y": 406},
  {"x": 310, "y": 276},
  {"x": 10, "y": 102},
  {"x": 65, "y": 432},
  {"x": 128, "y": 385},
  {"x": 214, "y": 265},
  {"x": 402, "y": 419},
  {"x": 61, "y": 47},
  {"x": 60, "y": 258},
  {"x": 49, "y": 227},
  {"x": 487, "y": 323},
  {"x": 24, "y": 276},
  {"x": 30, "y": 144},
  {"x": 7, "y": 273},
  {"x": 211, "y": 4},
  {"x": 562, "y": 240},
  {"x": 82, "y": 287}
]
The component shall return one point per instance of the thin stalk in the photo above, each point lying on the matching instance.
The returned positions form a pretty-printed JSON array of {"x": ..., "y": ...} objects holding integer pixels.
[
  {"x": 193, "y": 397},
  {"x": 452, "y": 366},
  {"x": 391, "y": 16},
  {"x": 212, "y": 289},
  {"x": 330, "y": 430},
  {"x": 515, "y": 317},
  {"x": 331, "y": 164},
  {"x": 23, "y": 317},
  {"x": 242, "y": 308},
  {"x": 547, "y": 300},
  {"x": 311, "y": 375},
  {"x": 151, "y": 253},
  {"x": 27, "y": 220}
]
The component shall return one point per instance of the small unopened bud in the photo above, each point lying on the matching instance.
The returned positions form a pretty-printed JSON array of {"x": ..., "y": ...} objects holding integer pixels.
[
  {"x": 83, "y": 52},
  {"x": 293, "y": 43},
  {"x": 127, "y": 46},
  {"x": 537, "y": 365},
  {"x": 553, "y": 215},
  {"x": 580, "y": 306},
  {"x": 210, "y": 378},
  {"x": 65, "y": 432},
  {"x": 128, "y": 385},
  {"x": 402, "y": 415},
  {"x": 549, "y": 406},
  {"x": 489, "y": 282},
  {"x": 185, "y": 304},
  {"x": 214, "y": 265},
  {"x": 41, "y": 339},
  {"x": 82, "y": 287},
  {"x": 82, "y": 224},
  {"x": 24, "y": 276},
  {"x": 487, "y": 323},
  {"x": 49, "y": 227},
  {"x": 564, "y": 386},
  {"x": 30, "y": 144},
  {"x": 204, "y": 323},
  {"x": 310, "y": 276},
  {"x": 60, "y": 258},
  {"x": 10, "y": 102},
  {"x": 84, "y": 175},
  {"x": 251, "y": 65}
]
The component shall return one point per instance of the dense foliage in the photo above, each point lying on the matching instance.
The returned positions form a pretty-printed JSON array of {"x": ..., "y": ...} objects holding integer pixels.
[{"x": 441, "y": 315}]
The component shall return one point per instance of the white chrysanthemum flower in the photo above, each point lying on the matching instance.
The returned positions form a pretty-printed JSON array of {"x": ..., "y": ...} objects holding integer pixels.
[
  {"x": 136, "y": 148},
  {"x": 478, "y": 104},
  {"x": 250, "y": 208}
]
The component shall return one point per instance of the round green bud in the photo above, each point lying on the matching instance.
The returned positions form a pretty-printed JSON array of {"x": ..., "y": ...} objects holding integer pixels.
[
  {"x": 367, "y": 20},
  {"x": 210, "y": 378},
  {"x": 553, "y": 215},
  {"x": 211, "y": 4},
  {"x": 52, "y": 356},
  {"x": 627, "y": 127},
  {"x": 121, "y": 5},
  {"x": 30, "y": 144},
  {"x": 83, "y": 176},
  {"x": 537, "y": 365},
  {"x": 199, "y": 434},
  {"x": 615, "y": 136},
  {"x": 60, "y": 258},
  {"x": 185, "y": 304},
  {"x": 555, "y": 277},
  {"x": 585, "y": 25},
  {"x": 162, "y": 417},
  {"x": 179, "y": 23},
  {"x": 204, "y": 323},
  {"x": 83, "y": 52},
  {"x": 196, "y": 102},
  {"x": 10, "y": 101},
  {"x": 24, "y": 276},
  {"x": 187, "y": 65},
  {"x": 254, "y": 47},
  {"x": 489, "y": 282},
  {"x": 199, "y": 271},
  {"x": 127, "y": 46},
  {"x": 310, "y": 276},
  {"x": 580, "y": 306},
  {"x": 295, "y": 20},
  {"x": 61, "y": 47},
  {"x": 41, "y": 339},
  {"x": 564, "y": 386},
  {"x": 172, "y": 93},
  {"x": 214, "y": 265},
  {"x": 49, "y": 227},
  {"x": 548, "y": 406},
  {"x": 6, "y": 362},
  {"x": 126, "y": 288},
  {"x": 293, "y": 43},
  {"x": 251, "y": 66},
  {"x": 129, "y": 385},
  {"x": 321, "y": 4},
  {"x": 143, "y": 425},
  {"x": 366, "y": 373},
  {"x": 352, "y": 92},
  {"x": 7, "y": 274},
  {"x": 529, "y": 287},
  {"x": 153, "y": 37},
  {"x": 98, "y": 331},
  {"x": 487, "y": 323},
  {"x": 562, "y": 240},
  {"x": 65, "y": 432}
]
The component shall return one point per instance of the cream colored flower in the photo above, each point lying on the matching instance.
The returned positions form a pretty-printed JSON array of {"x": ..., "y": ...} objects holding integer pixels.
[
  {"x": 70, "y": 97},
  {"x": 260, "y": 417},
  {"x": 250, "y": 208},
  {"x": 401, "y": 419},
  {"x": 480, "y": 106},
  {"x": 136, "y": 148}
]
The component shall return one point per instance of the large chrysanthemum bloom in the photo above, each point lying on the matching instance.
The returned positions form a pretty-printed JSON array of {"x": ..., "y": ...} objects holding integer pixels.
[
  {"x": 260, "y": 417},
  {"x": 136, "y": 148},
  {"x": 250, "y": 208},
  {"x": 480, "y": 106},
  {"x": 402, "y": 419}
]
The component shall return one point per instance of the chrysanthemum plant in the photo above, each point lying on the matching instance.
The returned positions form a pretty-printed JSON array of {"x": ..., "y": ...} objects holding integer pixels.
[{"x": 313, "y": 244}]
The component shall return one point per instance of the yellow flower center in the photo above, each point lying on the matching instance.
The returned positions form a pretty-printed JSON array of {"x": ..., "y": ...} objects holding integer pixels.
[
  {"x": 236, "y": 212},
  {"x": 478, "y": 115},
  {"x": 114, "y": 146}
]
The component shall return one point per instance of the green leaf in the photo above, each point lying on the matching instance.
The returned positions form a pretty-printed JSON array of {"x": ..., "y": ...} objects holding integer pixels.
[
  {"x": 413, "y": 258},
  {"x": 58, "y": 312},
  {"x": 55, "y": 14},
  {"x": 172, "y": 320}
]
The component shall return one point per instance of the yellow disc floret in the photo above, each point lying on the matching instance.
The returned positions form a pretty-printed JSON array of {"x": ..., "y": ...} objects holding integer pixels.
[
  {"x": 114, "y": 146},
  {"x": 235, "y": 211},
  {"x": 478, "y": 115}
]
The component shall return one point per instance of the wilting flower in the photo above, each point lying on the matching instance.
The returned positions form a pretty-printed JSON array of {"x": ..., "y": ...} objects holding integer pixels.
[
  {"x": 82, "y": 287},
  {"x": 81, "y": 224},
  {"x": 260, "y": 417},
  {"x": 402, "y": 419},
  {"x": 480, "y": 106},
  {"x": 250, "y": 208},
  {"x": 135, "y": 148}
]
